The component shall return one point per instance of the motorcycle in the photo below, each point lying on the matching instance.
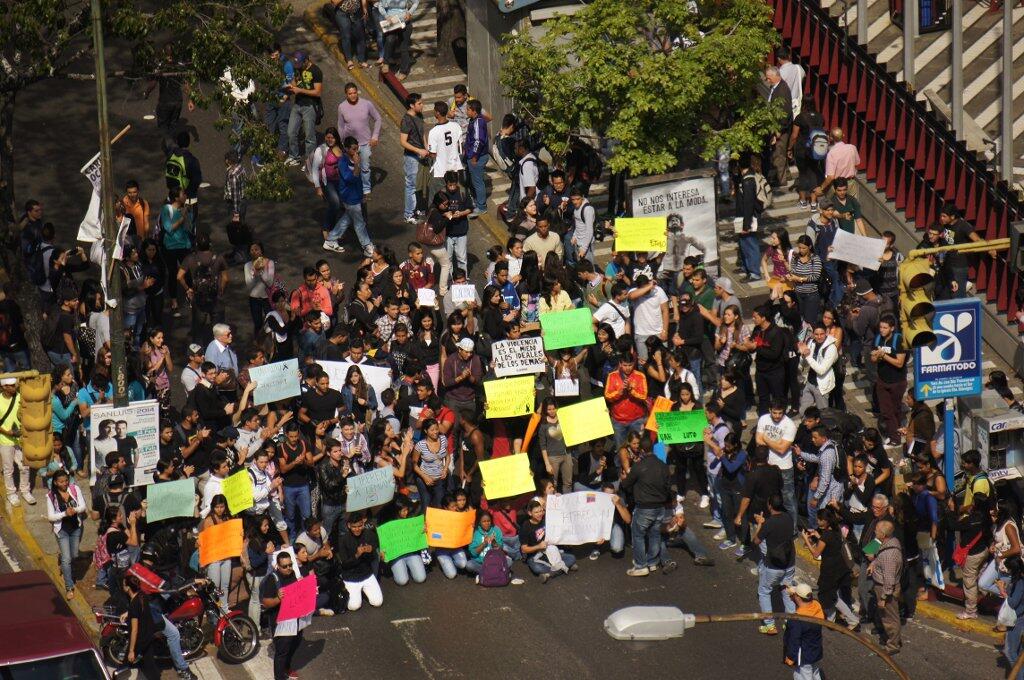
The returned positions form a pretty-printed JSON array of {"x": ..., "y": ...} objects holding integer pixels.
[{"x": 234, "y": 634}]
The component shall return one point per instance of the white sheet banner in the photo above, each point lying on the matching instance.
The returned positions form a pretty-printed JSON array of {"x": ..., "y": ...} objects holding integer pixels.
[
  {"x": 863, "y": 251},
  {"x": 691, "y": 199},
  {"x": 377, "y": 377},
  {"x": 578, "y": 518}
]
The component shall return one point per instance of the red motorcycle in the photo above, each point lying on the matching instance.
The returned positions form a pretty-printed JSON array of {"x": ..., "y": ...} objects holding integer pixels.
[{"x": 235, "y": 635}]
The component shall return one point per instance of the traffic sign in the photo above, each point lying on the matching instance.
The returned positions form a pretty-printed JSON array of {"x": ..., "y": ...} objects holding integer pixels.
[{"x": 952, "y": 366}]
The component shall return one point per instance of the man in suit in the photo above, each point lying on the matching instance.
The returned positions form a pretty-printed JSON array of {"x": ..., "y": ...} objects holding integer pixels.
[{"x": 779, "y": 94}]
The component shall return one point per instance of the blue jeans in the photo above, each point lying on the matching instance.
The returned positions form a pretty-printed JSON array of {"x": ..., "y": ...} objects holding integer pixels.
[
  {"x": 334, "y": 208},
  {"x": 695, "y": 368},
  {"x": 378, "y": 35},
  {"x": 16, "y": 361},
  {"x": 276, "y": 117},
  {"x": 68, "y": 545},
  {"x": 58, "y": 359},
  {"x": 135, "y": 322},
  {"x": 456, "y": 247},
  {"x": 989, "y": 575},
  {"x": 768, "y": 580},
  {"x": 305, "y": 117},
  {"x": 789, "y": 492},
  {"x": 329, "y": 515},
  {"x": 431, "y": 496},
  {"x": 622, "y": 429},
  {"x": 750, "y": 254},
  {"x": 365, "y": 153},
  {"x": 690, "y": 541},
  {"x": 512, "y": 547},
  {"x": 220, "y": 574},
  {"x": 296, "y": 501},
  {"x": 351, "y": 216},
  {"x": 408, "y": 566},
  {"x": 648, "y": 548},
  {"x": 836, "y": 296},
  {"x": 538, "y": 563},
  {"x": 477, "y": 170},
  {"x": 351, "y": 28},
  {"x": 173, "y": 638},
  {"x": 411, "y": 167},
  {"x": 451, "y": 561}
]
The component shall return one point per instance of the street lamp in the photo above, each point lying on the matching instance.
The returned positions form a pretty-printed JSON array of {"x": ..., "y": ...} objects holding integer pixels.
[{"x": 664, "y": 623}]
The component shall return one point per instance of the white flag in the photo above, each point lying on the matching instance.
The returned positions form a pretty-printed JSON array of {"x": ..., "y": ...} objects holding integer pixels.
[{"x": 90, "y": 231}]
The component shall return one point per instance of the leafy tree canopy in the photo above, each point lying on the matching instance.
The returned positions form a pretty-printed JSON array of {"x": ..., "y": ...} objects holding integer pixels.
[{"x": 661, "y": 78}]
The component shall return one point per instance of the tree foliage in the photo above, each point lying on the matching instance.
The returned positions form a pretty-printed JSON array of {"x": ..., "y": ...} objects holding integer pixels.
[
  {"x": 51, "y": 39},
  {"x": 660, "y": 78}
]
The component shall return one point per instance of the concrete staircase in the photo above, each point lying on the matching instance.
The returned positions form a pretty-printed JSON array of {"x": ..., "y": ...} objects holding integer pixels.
[{"x": 982, "y": 62}]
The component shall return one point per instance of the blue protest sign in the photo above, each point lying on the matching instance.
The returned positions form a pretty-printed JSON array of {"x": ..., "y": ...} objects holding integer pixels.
[
  {"x": 275, "y": 381},
  {"x": 952, "y": 367}
]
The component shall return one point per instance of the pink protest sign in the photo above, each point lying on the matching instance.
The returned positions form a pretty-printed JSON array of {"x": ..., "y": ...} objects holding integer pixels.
[{"x": 298, "y": 599}]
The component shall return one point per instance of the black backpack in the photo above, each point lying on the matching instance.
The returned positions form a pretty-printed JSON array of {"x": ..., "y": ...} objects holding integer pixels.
[
  {"x": 844, "y": 429},
  {"x": 205, "y": 285},
  {"x": 37, "y": 264}
]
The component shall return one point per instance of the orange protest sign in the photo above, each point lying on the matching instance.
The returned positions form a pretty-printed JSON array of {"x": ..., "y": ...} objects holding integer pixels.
[
  {"x": 220, "y": 541},
  {"x": 661, "y": 405},
  {"x": 447, "y": 529}
]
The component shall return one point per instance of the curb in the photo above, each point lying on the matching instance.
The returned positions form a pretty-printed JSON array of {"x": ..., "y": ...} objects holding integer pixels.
[
  {"x": 383, "y": 100},
  {"x": 48, "y": 563},
  {"x": 925, "y": 608}
]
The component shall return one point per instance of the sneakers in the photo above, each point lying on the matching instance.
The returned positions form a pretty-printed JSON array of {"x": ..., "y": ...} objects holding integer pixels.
[
  {"x": 719, "y": 535},
  {"x": 642, "y": 571},
  {"x": 187, "y": 674},
  {"x": 14, "y": 500},
  {"x": 333, "y": 246},
  {"x": 594, "y": 554},
  {"x": 653, "y": 568},
  {"x": 544, "y": 578},
  {"x": 292, "y": 674},
  {"x": 705, "y": 501},
  {"x": 712, "y": 524},
  {"x": 324, "y": 611},
  {"x": 965, "y": 616},
  {"x": 475, "y": 214},
  {"x": 754, "y": 571},
  {"x": 669, "y": 567},
  {"x": 517, "y": 581},
  {"x": 725, "y": 545},
  {"x": 768, "y": 629},
  {"x": 411, "y": 219},
  {"x": 703, "y": 561},
  {"x": 28, "y": 497},
  {"x": 292, "y": 162},
  {"x": 741, "y": 551},
  {"x": 574, "y": 567}
]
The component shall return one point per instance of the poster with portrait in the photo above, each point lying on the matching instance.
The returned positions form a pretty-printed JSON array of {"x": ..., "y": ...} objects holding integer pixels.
[
  {"x": 686, "y": 199},
  {"x": 134, "y": 431}
]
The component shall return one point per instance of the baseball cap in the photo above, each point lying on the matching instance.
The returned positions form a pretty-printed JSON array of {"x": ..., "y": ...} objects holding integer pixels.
[
  {"x": 299, "y": 57},
  {"x": 466, "y": 345},
  {"x": 195, "y": 350},
  {"x": 995, "y": 379},
  {"x": 801, "y": 590},
  {"x": 864, "y": 287},
  {"x": 724, "y": 283}
]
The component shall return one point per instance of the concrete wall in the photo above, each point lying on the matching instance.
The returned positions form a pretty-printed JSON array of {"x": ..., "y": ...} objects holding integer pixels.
[
  {"x": 1000, "y": 337},
  {"x": 485, "y": 25}
]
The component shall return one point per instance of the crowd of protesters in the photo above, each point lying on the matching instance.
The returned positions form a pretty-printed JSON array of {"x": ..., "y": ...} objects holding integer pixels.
[{"x": 781, "y": 464}]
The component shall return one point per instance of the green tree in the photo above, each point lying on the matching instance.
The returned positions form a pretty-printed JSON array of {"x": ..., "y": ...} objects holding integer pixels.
[
  {"x": 44, "y": 40},
  {"x": 661, "y": 78}
]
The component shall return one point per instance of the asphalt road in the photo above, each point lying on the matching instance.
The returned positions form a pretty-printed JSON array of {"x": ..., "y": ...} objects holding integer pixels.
[{"x": 439, "y": 629}]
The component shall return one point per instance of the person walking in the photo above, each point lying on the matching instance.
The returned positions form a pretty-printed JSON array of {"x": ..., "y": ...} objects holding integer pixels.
[
  {"x": 774, "y": 536},
  {"x": 779, "y": 95},
  {"x": 288, "y": 632},
  {"x": 351, "y": 192},
  {"x": 359, "y": 118},
  {"x": 885, "y": 571},
  {"x": 307, "y": 89},
  {"x": 65, "y": 507},
  {"x": 11, "y": 456}
]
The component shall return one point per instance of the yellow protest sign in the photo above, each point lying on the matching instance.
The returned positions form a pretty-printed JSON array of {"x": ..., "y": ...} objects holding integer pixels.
[
  {"x": 641, "y": 234},
  {"x": 585, "y": 421},
  {"x": 237, "y": 489},
  {"x": 661, "y": 404},
  {"x": 509, "y": 397},
  {"x": 507, "y": 476}
]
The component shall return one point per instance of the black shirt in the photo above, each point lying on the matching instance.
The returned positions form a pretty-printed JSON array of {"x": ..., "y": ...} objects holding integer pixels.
[
  {"x": 771, "y": 348},
  {"x": 65, "y": 325},
  {"x": 355, "y": 568},
  {"x": 531, "y": 534},
  {"x": 458, "y": 201},
  {"x": 413, "y": 127},
  {"x": 887, "y": 373},
  {"x": 138, "y": 610},
  {"x": 271, "y": 587},
  {"x": 320, "y": 407},
  {"x": 762, "y": 482},
  {"x": 777, "y": 534},
  {"x": 306, "y": 79},
  {"x": 298, "y": 475}
]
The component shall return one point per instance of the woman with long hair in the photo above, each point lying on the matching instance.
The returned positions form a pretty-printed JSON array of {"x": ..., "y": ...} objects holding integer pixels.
[
  {"x": 553, "y": 298},
  {"x": 494, "y": 312},
  {"x": 830, "y": 320},
  {"x": 430, "y": 463},
  {"x": 553, "y": 451},
  {"x": 175, "y": 239},
  {"x": 360, "y": 397},
  {"x": 1014, "y": 594},
  {"x": 219, "y": 572},
  {"x": 324, "y": 172},
  {"x": 158, "y": 366},
  {"x": 1005, "y": 544},
  {"x": 66, "y": 417},
  {"x": 65, "y": 508},
  {"x": 601, "y": 357},
  {"x": 105, "y": 441},
  {"x": 154, "y": 267},
  {"x": 262, "y": 541},
  {"x": 775, "y": 262},
  {"x": 835, "y": 578},
  {"x": 427, "y": 345},
  {"x": 259, "y": 274},
  {"x": 805, "y": 272},
  {"x": 569, "y": 366}
]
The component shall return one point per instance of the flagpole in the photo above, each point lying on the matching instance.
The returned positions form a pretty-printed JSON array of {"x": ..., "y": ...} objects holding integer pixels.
[{"x": 119, "y": 373}]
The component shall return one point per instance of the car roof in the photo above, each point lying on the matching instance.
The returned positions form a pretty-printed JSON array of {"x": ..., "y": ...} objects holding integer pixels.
[{"x": 37, "y": 622}]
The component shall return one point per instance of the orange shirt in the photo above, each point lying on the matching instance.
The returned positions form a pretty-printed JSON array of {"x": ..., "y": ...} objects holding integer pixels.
[
  {"x": 626, "y": 408},
  {"x": 303, "y": 297},
  {"x": 140, "y": 213}
]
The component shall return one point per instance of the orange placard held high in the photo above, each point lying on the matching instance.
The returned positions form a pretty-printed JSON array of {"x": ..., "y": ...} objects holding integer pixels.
[
  {"x": 220, "y": 541},
  {"x": 446, "y": 529},
  {"x": 531, "y": 429},
  {"x": 661, "y": 405}
]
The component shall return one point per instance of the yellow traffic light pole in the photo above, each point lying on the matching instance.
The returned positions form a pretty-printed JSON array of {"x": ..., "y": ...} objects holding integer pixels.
[{"x": 973, "y": 246}]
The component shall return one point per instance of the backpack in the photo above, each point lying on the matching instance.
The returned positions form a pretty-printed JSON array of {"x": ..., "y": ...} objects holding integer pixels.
[
  {"x": 543, "y": 172},
  {"x": 844, "y": 429},
  {"x": 204, "y": 283},
  {"x": 48, "y": 331},
  {"x": 763, "y": 191},
  {"x": 175, "y": 171},
  {"x": 149, "y": 582},
  {"x": 495, "y": 572},
  {"x": 817, "y": 144},
  {"x": 37, "y": 265}
]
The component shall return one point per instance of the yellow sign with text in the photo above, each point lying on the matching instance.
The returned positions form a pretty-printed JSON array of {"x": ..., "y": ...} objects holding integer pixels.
[{"x": 641, "y": 234}]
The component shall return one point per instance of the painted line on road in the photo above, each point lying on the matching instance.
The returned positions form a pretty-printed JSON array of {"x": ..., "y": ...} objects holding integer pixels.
[
  {"x": 414, "y": 619},
  {"x": 261, "y": 665},
  {"x": 417, "y": 653},
  {"x": 206, "y": 669},
  {"x": 8, "y": 557},
  {"x": 950, "y": 636}
]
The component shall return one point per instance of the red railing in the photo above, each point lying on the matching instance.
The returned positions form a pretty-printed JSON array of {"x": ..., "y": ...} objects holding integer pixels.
[{"x": 909, "y": 155}]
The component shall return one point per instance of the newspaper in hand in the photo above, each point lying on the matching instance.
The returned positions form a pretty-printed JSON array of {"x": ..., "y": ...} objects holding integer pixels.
[{"x": 395, "y": 22}]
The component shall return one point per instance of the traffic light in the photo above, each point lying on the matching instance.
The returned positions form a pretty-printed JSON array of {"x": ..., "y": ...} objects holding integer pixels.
[
  {"x": 1016, "y": 258},
  {"x": 36, "y": 417},
  {"x": 916, "y": 303}
]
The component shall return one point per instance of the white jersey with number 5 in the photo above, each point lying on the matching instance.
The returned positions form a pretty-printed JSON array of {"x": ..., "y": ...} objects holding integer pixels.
[{"x": 446, "y": 142}]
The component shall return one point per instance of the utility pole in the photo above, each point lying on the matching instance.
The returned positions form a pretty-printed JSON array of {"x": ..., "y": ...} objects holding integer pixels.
[
  {"x": 118, "y": 369},
  {"x": 956, "y": 91},
  {"x": 909, "y": 45},
  {"x": 1006, "y": 126}
]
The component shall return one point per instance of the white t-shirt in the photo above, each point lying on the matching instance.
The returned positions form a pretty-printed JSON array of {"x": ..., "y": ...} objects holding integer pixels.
[
  {"x": 647, "y": 312},
  {"x": 784, "y": 429},
  {"x": 189, "y": 378},
  {"x": 446, "y": 142},
  {"x": 529, "y": 174},
  {"x": 616, "y": 319}
]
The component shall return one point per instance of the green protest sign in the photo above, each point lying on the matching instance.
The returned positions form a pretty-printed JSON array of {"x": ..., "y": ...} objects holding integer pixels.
[
  {"x": 572, "y": 328},
  {"x": 402, "y": 536},
  {"x": 171, "y": 499},
  {"x": 681, "y": 427}
]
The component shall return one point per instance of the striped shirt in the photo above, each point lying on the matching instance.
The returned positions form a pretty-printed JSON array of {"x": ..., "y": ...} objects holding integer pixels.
[
  {"x": 811, "y": 270},
  {"x": 829, "y": 488},
  {"x": 430, "y": 462}
]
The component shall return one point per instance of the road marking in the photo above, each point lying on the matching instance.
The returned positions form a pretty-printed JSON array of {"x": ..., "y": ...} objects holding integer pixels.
[
  {"x": 426, "y": 662},
  {"x": 206, "y": 669},
  {"x": 261, "y": 665},
  {"x": 951, "y": 636},
  {"x": 415, "y": 619},
  {"x": 8, "y": 557}
]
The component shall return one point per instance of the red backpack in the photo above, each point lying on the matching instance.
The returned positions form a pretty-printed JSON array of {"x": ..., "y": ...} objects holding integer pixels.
[{"x": 150, "y": 583}]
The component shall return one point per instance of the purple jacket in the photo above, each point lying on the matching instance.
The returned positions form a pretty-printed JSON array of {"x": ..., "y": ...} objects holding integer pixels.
[{"x": 476, "y": 138}]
